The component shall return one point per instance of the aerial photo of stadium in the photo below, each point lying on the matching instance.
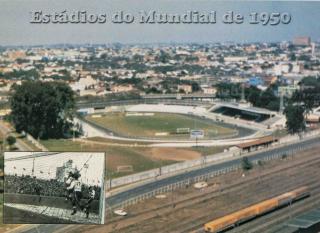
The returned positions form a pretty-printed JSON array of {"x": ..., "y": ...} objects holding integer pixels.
[{"x": 180, "y": 116}]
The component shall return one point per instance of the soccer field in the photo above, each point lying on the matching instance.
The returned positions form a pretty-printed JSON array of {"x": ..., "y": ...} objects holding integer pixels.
[{"x": 158, "y": 125}]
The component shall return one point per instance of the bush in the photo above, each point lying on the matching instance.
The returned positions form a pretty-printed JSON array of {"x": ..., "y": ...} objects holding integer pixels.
[
  {"x": 11, "y": 140},
  {"x": 246, "y": 164}
]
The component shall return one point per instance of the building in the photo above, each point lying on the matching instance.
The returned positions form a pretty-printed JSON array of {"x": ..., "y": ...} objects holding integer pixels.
[
  {"x": 209, "y": 90},
  {"x": 121, "y": 88},
  {"x": 281, "y": 69},
  {"x": 186, "y": 88},
  {"x": 302, "y": 41},
  {"x": 84, "y": 83},
  {"x": 288, "y": 91},
  {"x": 255, "y": 81},
  {"x": 260, "y": 143},
  {"x": 235, "y": 59}
]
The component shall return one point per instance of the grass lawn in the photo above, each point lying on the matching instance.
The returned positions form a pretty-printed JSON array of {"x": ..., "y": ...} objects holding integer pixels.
[
  {"x": 140, "y": 158},
  {"x": 148, "y": 126},
  {"x": 116, "y": 155},
  {"x": 209, "y": 150}
]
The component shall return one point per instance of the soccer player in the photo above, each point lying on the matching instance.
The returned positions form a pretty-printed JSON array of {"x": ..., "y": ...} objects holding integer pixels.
[
  {"x": 92, "y": 194},
  {"x": 67, "y": 184},
  {"x": 76, "y": 186}
]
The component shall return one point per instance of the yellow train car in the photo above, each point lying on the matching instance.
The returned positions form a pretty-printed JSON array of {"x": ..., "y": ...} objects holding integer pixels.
[
  {"x": 220, "y": 223},
  {"x": 266, "y": 206},
  {"x": 296, "y": 194},
  {"x": 250, "y": 212}
]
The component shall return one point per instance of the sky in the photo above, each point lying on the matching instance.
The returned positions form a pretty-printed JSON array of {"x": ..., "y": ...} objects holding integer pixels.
[{"x": 16, "y": 29}]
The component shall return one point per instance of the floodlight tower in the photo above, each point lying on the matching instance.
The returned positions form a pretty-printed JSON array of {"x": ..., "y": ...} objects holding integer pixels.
[
  {"x": 313, "y": 50},
  {"x": 243, "y": 96}
]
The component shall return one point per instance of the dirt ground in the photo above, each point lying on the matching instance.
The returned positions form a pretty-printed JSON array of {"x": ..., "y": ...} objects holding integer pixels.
[{"x": 174, "y": 154}]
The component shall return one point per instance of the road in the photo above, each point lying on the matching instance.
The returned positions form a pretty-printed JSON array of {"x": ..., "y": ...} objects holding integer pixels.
[
  {"x": 136, "y": 191},
  {"x": 120, "y": 197},
  {"x": 21, "y": 145}
]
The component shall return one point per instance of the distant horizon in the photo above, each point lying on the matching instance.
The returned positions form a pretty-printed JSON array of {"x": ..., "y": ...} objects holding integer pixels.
[{"x": 149, "y": 43}]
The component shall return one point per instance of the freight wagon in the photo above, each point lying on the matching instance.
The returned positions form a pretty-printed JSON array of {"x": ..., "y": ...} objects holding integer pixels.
[{"x": 238, "y": 217}]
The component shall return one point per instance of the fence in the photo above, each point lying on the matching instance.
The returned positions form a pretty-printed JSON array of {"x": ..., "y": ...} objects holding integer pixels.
[
  {"x": 203, "y": 177},
  {"x": 168, "y": 170},
  {"x": 192, "y": 164}
]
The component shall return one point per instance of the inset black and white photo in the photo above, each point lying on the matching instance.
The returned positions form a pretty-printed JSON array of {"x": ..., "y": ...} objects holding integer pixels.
[{"x": 54, "y": 187}]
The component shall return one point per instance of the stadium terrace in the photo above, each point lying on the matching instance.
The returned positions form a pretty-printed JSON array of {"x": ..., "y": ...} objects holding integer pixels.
[{"x": 189, "y": 17}]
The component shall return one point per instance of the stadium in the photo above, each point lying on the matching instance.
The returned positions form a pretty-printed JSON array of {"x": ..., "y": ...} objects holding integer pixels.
[
  {"x": 221, "y": 123},
  {"x": 36, "y": 191}
]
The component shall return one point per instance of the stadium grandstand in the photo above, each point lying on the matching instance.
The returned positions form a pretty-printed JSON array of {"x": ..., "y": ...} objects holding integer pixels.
[
  {"x": 50, "y": 165},
  {"x": 246, "y": 112}
]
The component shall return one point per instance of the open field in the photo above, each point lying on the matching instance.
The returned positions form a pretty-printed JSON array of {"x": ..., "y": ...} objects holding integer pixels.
[
  {"x": 141, "y": 158},
  {"x": 187, "y": 209},
  {"x": 158, "y": 125}
]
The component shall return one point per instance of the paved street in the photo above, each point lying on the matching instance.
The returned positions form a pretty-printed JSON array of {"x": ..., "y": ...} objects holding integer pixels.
[
  {"x": 120, "y": 197},
  {"x": 21, "y": 145}
]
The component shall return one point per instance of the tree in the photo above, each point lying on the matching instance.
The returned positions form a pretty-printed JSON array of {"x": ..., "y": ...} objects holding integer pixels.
[
  {"x": 310, "y": 81},
  {"x": 292, "y": 57},
  {"x": 295, "y": 118},
  {"x": 253, "y": 95},
  {"x": 44, "y": 110},
  {"x": 246, "y": 163},
  {"x": 11, "y": 140},
  {"x": 195, "y": 86},
  {"x": 1, "y": 164},
  {"x": 268, "y": 100}
]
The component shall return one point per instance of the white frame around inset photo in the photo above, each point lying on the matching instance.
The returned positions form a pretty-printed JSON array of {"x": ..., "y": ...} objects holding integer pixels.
[{"x": 39, "y": 187}]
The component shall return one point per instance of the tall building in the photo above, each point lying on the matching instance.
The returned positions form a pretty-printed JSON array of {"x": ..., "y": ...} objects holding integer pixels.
[
  {"x": 315, "y": 50},
  {"x": 302, "y": 41}
]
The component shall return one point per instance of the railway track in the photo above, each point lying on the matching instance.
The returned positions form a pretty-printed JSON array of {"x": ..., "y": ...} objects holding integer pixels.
[
  {"x": 264, "y": 223},
  {"x": 202, "y": 200},
  {"x": 189, "y": 225},
  {"x": 263, "y": 175},
  {"x": 140, "y": 190}
]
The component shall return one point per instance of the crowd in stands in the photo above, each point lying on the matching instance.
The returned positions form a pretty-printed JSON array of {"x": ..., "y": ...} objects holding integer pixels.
[{"x": 34, "y": 186}]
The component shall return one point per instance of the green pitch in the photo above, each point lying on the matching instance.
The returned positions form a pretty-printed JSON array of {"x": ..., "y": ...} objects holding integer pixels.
[{"x": 159, "y": 125}]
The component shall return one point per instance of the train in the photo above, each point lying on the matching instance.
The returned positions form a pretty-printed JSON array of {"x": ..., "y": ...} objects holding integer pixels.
[{"x": 243, "y": 215}]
